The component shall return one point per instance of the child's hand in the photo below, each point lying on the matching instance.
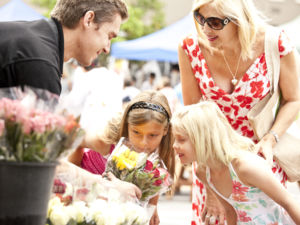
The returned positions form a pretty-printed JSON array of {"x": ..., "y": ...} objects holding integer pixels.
[{"x": 126, "y": 188}]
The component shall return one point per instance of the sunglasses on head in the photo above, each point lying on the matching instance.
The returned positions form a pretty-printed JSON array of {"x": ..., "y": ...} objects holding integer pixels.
[{"x": 213, "y": 22}]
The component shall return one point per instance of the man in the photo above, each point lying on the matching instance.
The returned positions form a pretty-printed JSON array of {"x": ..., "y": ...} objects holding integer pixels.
[{"x": 32, "y": 53}]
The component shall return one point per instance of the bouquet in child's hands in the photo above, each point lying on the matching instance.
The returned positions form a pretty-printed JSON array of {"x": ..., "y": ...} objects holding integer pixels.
[{"x": 147, "y": 172}]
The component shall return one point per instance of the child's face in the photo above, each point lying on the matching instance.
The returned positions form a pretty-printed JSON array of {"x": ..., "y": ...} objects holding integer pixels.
[
  {"x": 146, "y": 137},
  {"x": 184, "y": 147}
]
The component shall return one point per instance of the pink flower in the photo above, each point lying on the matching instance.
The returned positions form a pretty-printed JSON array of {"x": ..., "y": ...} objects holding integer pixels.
[
  {"x": 148, "y": 166},
  {"x": 243, "y": 216},
  {"x": 156, "y": 173},
  {"x": 238, "y": 189},
  {"x": 165, "y": 174}
]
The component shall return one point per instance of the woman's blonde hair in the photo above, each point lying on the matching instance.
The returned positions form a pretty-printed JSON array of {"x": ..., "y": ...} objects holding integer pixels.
[
  {"x": 241, "y": 12},
  {"x": 210, "y": 133},
  {"x": 118, "y": 126}
]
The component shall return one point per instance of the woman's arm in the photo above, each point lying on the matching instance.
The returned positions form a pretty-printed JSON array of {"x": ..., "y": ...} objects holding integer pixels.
[
  {"x": 190, "y": 88},
  {"x": 262, "y": 177},
  {"x": 215, "y": 205},
  {"x": 290, "y": 90}
]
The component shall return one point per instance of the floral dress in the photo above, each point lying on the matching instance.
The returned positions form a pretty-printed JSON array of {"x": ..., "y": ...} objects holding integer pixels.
[
  {"x": 251, "y": 88},
  {"x": 252, "y": 206}
]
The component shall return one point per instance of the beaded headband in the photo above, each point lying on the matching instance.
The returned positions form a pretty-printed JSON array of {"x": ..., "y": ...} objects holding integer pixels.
[{"x": 147, "y": 105}]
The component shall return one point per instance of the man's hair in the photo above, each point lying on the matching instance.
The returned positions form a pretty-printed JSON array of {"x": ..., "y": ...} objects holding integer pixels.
[{"x": 69, "y": 12}]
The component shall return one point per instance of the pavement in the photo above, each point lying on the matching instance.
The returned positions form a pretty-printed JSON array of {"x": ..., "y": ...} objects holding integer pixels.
[{"x": 178, "y": 210}]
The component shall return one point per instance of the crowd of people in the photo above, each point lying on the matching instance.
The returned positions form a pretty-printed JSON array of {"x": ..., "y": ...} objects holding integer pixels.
[{"x": 223, "y": 74}]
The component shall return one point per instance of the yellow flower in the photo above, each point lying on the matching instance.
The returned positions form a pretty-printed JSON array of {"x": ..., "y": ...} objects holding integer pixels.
[{"x": 127, "y": 159}]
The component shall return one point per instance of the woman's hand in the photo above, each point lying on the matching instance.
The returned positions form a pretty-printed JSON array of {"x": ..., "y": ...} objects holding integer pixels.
[
  {"x": 265, "y": 148},
  {"x": 213, "y": 210},
  {"x": 154, "y": 219},
  {"x": 127, "y": 189}
]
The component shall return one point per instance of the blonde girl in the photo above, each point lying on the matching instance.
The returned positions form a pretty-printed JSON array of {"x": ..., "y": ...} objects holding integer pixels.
[{"x": 229, "y": 166}]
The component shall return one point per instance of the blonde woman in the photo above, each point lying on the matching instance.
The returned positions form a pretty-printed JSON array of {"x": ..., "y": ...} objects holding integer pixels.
[
  {"x": 228, "y": 164},
  {"x": 225, "y": 62}
]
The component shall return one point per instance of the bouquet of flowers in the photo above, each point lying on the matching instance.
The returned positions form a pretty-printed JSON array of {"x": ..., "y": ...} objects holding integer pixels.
[
  {"x": 147, "y": 172},
  {"x": 30, "y": 128},
  {"x": 93, "y": 205}
]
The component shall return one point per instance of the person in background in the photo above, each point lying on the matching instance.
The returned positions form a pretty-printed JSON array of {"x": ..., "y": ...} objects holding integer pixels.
[
  {"x": 145, "y": 122},
  {"x": 149, "y": 84},
  {"x": 229, "y": 165},
  {"x": 32, "y": 52},
  {"x": 129, "y": 90},
  {"x": 225, "y": 62},
  {"x": 165, "y": 87}
]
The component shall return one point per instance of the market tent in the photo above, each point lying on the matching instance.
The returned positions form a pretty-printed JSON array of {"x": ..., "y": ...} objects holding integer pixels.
[
  {"x": 161, "y": 45},
  {"x": 18, "y": 10}
]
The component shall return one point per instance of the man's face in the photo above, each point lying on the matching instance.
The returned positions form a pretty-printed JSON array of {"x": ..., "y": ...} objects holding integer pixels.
[{"x": 96, "y": 39}]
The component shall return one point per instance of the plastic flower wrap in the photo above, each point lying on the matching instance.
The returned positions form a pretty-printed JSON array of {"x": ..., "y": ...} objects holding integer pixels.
[
  {"x": 32, "y": 128},
  {"x": 78, "y": 201},
  {"x": 147, "y": 172}
]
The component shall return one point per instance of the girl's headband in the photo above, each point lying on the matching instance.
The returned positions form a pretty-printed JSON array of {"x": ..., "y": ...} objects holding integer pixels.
[{"x": 147, "y": 105}]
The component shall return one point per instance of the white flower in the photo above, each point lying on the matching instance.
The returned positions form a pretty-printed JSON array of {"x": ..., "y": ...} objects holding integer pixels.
[
  {"x": 52, "y": 203},
  {"x": 135, "y": 213},
  {"x": 81, "y": 211},
  {"x": 59, "y": 215}
]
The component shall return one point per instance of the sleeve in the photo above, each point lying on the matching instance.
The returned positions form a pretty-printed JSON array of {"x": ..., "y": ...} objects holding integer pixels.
[
  {"x": 190, "y": 46},
  {"x": 38, "y": 74},
  {"x": 285, "y": 45}
]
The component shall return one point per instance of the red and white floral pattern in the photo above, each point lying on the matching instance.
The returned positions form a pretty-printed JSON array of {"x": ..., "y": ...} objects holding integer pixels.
[{"x": 251, "y": 88}]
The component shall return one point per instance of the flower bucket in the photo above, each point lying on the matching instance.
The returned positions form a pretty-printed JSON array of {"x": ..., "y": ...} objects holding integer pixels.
[{"x": 25, "y": 188}]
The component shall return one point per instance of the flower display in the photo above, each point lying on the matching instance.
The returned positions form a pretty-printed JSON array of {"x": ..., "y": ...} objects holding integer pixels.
[
  {"x": 98, "y": 205},
  {"x": 31, "y": 131},
  {"x": 147, "y": 172}
]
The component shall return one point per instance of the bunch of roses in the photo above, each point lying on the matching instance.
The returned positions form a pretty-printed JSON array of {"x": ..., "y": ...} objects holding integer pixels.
[
  {"x": 148, "y": 172},
  {"x": 28, "y": 133}
]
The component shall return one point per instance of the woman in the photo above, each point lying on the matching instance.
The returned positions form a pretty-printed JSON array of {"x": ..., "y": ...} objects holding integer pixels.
[{"x": 225, "y": 63}]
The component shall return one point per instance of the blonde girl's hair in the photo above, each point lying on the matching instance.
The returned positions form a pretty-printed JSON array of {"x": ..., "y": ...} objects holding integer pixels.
[
  {"x": 210, "y": 133},
  {"x": 241, "y": 12},
  {"x": 135, "y": 113}
]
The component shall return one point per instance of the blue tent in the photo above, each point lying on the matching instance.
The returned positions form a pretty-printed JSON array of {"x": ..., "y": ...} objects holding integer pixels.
[
  {"x": 161, "y": 45},
  {"x": 18, "y": 10}
]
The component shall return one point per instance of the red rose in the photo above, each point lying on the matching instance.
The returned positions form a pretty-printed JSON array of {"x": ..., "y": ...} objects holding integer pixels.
[
  {"x": 156, "y": 173},
  {"x": 158, "y": 182},
  {"x": 148, "y": 166}
]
